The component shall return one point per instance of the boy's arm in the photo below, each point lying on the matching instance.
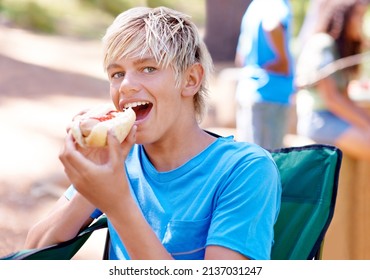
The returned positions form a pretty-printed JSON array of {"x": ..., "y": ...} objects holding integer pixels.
[
  {"x": 222, "y": 253},
  {"x": 137, "y": 235},
  {"x": 341, "y": 105},
  {"x": 63, "y": 223}
]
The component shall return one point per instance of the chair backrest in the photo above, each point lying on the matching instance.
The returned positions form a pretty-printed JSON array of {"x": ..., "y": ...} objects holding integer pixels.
[{"x": 309, "y": 177}]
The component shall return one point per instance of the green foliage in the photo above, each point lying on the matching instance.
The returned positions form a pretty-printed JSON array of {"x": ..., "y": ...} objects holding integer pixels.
[
  {"x": 83, "y": 18},
  {"x": 299, "y": 8},
  {"x": 31, "y": 15},
  {"x": 113, "y": 7},
  {"x": 39, "y": 18},
  {"x": 158, "y": 3}
]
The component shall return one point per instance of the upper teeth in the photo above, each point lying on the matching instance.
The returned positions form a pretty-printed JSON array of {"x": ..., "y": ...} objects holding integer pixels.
[{"x": 135, "y": 104}]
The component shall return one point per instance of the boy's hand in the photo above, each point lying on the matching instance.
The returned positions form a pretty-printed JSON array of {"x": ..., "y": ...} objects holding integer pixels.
[{"x": 98, "y": 173}]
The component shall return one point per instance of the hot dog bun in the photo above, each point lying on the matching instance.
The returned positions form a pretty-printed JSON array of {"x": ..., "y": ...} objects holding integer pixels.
[{"x": 91, "y": 128}]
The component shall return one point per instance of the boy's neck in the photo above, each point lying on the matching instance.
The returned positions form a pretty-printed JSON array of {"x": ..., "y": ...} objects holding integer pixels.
[{"x": 175, "y": 151}]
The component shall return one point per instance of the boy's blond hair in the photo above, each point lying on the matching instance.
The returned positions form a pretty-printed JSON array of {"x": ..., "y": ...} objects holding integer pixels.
[{"x": 166, "y": 34}]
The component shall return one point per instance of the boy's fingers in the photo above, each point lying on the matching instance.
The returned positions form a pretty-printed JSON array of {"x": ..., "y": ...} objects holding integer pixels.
[
  {"x": 118, "y": 150},
  {"x": 131, "y": 137}
]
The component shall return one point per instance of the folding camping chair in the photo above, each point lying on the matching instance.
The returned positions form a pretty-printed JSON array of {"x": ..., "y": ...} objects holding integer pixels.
[{"x": 309, "y": 177}]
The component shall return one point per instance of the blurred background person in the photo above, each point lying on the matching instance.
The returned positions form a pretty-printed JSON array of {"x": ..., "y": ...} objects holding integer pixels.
[
  {"x": 311, "y": 16},
  {"x": 325, "y": 112},
  {"x": 266, "y": 82}
]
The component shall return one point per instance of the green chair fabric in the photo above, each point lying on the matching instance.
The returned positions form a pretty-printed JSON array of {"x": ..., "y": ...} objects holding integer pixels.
[
  {"x": 309, "y": 177},
  {"x": 61, "y": 251}
]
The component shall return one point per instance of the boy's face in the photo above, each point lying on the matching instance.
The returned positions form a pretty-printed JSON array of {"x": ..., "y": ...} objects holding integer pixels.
[{"x": 151, "y": 91}]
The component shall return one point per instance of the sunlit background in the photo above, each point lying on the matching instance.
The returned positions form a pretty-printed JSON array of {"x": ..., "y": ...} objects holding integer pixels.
[{"x": 51, "y": 68}]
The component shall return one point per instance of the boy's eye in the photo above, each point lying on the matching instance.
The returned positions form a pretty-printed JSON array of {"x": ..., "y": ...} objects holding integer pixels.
[
  {"x": 117, "y": 75},
  {"x": 149, "y": 69}
]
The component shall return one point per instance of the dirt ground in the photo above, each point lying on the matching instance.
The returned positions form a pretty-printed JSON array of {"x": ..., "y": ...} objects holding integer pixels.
[{"x": 44, "y": 81}]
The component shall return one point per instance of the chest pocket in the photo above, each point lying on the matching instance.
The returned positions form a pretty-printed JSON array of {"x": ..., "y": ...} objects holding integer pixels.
[{"x": 186, "y": 240}]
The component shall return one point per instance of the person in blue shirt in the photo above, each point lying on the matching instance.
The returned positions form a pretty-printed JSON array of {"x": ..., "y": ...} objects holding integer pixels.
[
  {"x": 265, "y": 84},
  {"x": 170, "y": 190}
]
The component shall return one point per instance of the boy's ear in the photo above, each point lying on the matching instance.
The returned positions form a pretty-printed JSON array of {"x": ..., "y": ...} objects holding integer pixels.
[{"x": 193, "y": 79}]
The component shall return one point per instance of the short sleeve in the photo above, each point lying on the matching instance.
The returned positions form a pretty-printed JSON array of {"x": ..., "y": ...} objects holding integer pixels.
[
  {"x": 279, "y": 12},
  {"x": 247, "y": 209}
]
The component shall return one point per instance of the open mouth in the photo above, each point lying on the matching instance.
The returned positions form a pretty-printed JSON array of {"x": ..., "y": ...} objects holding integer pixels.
[{"x": 141, "y": 109}]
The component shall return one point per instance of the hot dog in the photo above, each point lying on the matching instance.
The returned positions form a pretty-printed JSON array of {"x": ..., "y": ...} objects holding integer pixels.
[{"x": 90, "y": 129}]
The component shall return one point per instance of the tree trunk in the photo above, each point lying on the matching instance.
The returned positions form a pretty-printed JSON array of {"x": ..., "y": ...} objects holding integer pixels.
[{"x": 223, "y": 27}]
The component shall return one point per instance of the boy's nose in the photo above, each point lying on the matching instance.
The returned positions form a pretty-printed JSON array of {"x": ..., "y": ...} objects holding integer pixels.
[{"x": 129, "y": 84}]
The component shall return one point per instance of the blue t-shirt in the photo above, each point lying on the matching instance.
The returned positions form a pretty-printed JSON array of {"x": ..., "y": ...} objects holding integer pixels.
[
  {"x": 256, "y": 50},
  {"x": 228, "y": 195}
]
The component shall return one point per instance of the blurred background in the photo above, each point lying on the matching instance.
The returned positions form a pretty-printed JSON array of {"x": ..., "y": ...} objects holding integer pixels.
[{"x": 51, "y": 68}]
